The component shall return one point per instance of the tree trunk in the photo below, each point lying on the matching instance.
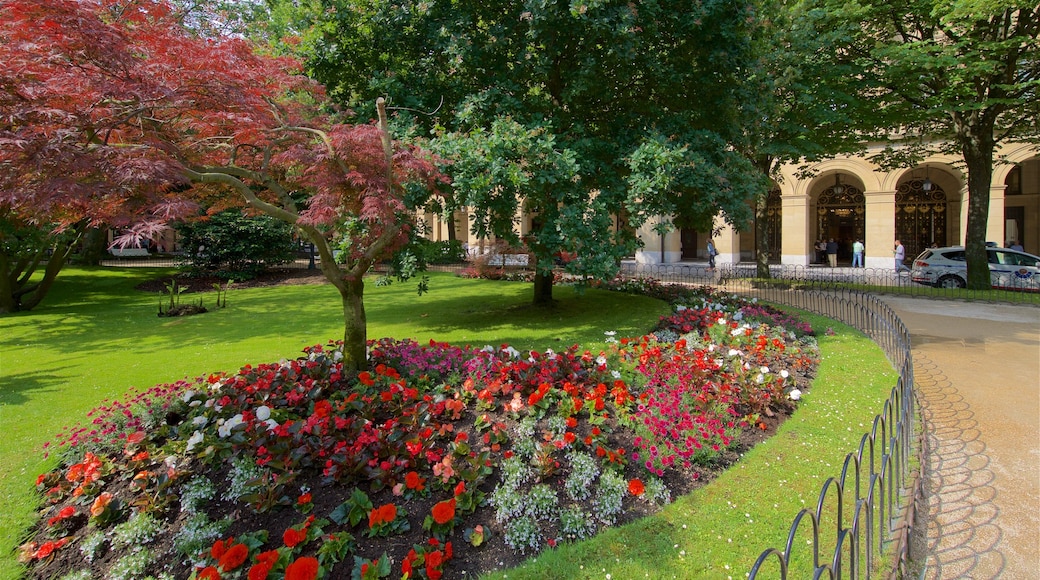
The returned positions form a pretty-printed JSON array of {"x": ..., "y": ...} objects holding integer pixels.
[
  {"x": 977, "y": 146},
  {"x": 543, "y": 289},
  {"x": 355, "y": 325},
  {"x": 32, "y": 294},
  {"x": 761, "y": 238},
  {"x": 94, "y": 242},
  {"x": 764, "y": 163}
]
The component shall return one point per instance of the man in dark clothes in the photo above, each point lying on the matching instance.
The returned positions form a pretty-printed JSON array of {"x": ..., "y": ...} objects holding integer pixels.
[{"x": 832, "y": 252}]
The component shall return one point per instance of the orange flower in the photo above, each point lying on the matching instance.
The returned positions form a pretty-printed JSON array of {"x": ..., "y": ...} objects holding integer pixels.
[
  {"x": 234, "y": 557},
  {"x": 636, "y": 487},
  {"x": 382, "y": 515},
  {"x": 269, "y": 557},
  {"x": 208, "y": 573},
  {"x": 100, "y": 504},
  {"x": 444, "y": 512},
  {"x": 219, "y": 547},
  {"x": 304, "y": 499},
  {"x": 305, "y": 568}
]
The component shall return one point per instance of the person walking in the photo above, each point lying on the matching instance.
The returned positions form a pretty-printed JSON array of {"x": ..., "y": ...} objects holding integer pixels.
[
  {"x": 900, "y": 254},
  {"x": 857, "y": 254},
  {"x": 832, "y": 252},
  {"x": 712, "y": 252}
]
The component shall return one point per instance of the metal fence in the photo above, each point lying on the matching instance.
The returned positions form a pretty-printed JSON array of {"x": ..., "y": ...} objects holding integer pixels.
[{"x": 868, "y": 510}]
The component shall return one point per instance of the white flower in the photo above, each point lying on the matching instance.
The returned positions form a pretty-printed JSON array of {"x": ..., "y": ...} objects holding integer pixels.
[
  {"x": 187, "y": 396},
  {"x": 195, "y": 403},
  {"x": 601, "y": 360},
  {"x": 615, "y": 374},
  {"x": 795, "y": 394},
  {"x": 271, "y": 424},
  {"x": 488, "y": 348},
  {"x": 512, "y": 352},
  {"x": 721, "y": 322},
  {"x": 760, "y": 378},
  {"x": 737, "y": 331},
  {"x": 784, "y": 373},
  {"x": 194, "y": 440},
  {"x": 733, "y": 352},
  {"x": 610, "y": 332},
  {"x": 263, "y": 413},
  {"x": 680, "y": 308},
  {"x": 337, "y": 355},
  {"x": 200, "y": 421},
  {"x": 764, "y": 370},
  {"x": 225, "y": 429}
]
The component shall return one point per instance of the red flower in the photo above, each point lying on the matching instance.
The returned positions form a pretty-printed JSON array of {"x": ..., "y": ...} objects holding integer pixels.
[
  {"x": 234, "y": 557},
  {"x": 636, "y": 487},
  {"x": 208, "y": 573},
  {"x": 305, "y": 568},
  {"x": 569, "y": 437},
  {"x": 292, "y": 537},
  {"x": 304, "y": 499},
  {"x": 259, "y": 572},
  {"x": 447, "y": 550},
  {"x": 460, "y": 488},
  {"x": 413, "y": 481},
  {"x": 219, "y": 547},
  {"x": 444, "y": 512}
]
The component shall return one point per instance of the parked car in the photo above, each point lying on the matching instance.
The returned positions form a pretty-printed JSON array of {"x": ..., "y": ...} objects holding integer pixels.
[{"x": 947, "y": 268}]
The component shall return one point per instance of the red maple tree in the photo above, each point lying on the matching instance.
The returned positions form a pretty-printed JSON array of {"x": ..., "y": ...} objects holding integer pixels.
[{"x": 114, "y": 113}]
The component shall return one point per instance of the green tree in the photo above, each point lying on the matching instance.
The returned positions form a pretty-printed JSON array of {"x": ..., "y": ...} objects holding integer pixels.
[
  {"x": 606, "y": 76},
  {"x": 966, "y": 72},
  {"x": 803, "y": 103}
]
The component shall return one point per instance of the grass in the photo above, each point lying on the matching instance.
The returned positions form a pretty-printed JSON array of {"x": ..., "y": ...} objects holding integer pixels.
[{"x": 96, "y": 338}]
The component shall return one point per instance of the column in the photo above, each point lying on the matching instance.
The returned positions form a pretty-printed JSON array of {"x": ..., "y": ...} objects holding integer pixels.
[
  {"x": 727, "y": 242},
  {"x": 796, "y": 247},
  {"x": 880, "y": 223}
]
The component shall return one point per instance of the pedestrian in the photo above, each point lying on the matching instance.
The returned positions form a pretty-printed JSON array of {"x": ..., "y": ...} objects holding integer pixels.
[
  {"x": 832, "y": 252},
  {"x": 900, "y": 254},
  {"x": 857, "y": 254},
  {"x": 1016, "y": 245},
  {"x": 821, "y": 251},
  {"x": 712, "y": 252}
]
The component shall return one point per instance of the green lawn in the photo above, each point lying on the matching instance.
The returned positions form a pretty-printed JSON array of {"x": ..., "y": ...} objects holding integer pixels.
[{"x": 96, "y": 338}]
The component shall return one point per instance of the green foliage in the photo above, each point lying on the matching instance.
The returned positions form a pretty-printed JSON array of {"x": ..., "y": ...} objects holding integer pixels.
[{"x": 232, "y": 245}]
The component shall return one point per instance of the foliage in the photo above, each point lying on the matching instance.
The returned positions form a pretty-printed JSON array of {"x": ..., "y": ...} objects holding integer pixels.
[
  {"x": 26, "y": 247},
  {"x": 134, "y": 120},
  {"x": 957, "y": 77},
  {"x": 232, "y": 245},
  {"x": 566, "y": 92}
]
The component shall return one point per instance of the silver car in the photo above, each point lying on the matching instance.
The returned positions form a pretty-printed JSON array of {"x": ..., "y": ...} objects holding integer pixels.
[{"x": 947, "y": 268}]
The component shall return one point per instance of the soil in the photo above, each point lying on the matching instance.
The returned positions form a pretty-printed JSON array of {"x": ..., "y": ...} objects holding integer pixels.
[{"x": 274, "y": 277}]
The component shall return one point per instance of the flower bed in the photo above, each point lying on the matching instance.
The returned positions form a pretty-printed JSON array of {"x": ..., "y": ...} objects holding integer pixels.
[{"x": 441, "y": 459}]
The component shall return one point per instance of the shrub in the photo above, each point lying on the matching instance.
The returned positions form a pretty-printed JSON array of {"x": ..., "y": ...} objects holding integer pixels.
[{"x": 232, "y": 245}]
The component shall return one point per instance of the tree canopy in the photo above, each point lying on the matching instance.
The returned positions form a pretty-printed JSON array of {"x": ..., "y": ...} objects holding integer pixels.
[
  {"x": 116, "y": 113},
  {"x": 601, "y": 78},
  {"x": 957, "y": 76}
]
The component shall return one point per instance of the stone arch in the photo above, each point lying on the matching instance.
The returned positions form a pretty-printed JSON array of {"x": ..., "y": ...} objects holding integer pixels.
[{"x": 924, "y": 209}]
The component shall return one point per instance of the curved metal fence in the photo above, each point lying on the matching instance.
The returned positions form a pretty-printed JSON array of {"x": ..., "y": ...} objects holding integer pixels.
[{"x": 862, "y": 522}]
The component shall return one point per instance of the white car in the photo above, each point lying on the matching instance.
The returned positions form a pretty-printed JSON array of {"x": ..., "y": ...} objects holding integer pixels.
[{"x": 946, "y": 268}]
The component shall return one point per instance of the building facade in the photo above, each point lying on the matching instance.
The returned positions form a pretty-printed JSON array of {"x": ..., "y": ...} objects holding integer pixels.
[{"x": 850, "y": 198}]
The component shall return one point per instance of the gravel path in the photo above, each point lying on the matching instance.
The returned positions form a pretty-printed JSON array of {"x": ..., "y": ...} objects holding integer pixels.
[{"x": 978, "y": 371}]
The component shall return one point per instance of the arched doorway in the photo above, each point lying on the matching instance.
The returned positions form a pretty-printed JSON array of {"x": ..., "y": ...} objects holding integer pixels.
[
  {"x": 920, "y": 215},
  {"x": 841, "y": 214}
]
